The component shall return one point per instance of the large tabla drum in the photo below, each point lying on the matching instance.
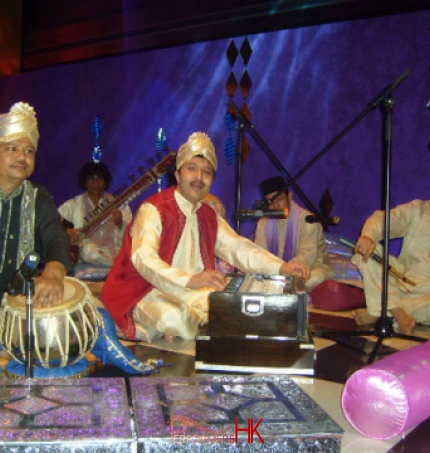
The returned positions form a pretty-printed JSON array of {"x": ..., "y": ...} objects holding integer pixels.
[{"x": 62, "y": 334}]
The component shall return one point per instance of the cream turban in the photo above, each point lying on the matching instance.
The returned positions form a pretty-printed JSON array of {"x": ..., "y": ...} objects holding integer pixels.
[
  {"x": 18, "y": 123},
  {"x": 198, "y": 144}
]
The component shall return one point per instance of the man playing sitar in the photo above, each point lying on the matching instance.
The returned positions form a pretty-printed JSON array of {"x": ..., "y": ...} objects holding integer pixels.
[{"x": 101, "y": 246}]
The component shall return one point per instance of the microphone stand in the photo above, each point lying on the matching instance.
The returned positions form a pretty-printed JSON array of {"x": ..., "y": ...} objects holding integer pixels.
[
  {"x": 239, "y": 171},
  {"x": 384, "y": 326},
  {"x": 375, "y": 102},
  {"x": 245, "y": 124},
  {"x": 29, "y": 336}
]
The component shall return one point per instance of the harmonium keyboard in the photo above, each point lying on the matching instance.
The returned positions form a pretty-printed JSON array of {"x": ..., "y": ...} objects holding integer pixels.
[{"x": 259, "y": 323}]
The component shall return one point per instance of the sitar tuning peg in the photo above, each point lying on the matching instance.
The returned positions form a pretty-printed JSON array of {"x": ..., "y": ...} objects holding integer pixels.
[
  {"x": 131, "y": 177},
  {"x": 151, "y": 161},
  {"x": 141, "y": 170}
]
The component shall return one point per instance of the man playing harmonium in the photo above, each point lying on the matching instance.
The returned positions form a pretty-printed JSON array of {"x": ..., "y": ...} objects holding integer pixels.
[
  {"x": 161, "y": 280},
  {"x": 29, "y": 221}
]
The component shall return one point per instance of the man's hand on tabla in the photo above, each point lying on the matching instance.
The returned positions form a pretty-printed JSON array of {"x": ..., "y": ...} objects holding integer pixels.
[{"x": 48, "y": 291}]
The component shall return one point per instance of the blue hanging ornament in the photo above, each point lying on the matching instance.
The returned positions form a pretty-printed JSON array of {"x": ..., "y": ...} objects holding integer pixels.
[
  {"x": 230, "y": 150},
  {"x": 161, "y": 141},
  {"x": 161, "y": 147},
  {"x": 97, "y": 129},
  {"x": 229, "y": 121},
  {"x": 230, "y": 145}
]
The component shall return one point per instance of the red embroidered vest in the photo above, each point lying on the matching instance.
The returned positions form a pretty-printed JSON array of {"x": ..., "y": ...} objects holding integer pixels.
[{"x": 125, "y": 287}]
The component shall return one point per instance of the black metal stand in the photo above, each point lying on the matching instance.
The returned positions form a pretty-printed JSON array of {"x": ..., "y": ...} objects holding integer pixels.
[
  {"x": 246, "y": 125},
  {"x": 29, "y": 336},
  {"x": 374, "y": 103},
  {"x": 239, "y": 171},
  {"x": 384, "y": 326}
]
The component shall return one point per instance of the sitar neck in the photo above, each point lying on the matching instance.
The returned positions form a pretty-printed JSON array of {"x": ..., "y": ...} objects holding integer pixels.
[{"x": 130, "y": 194}]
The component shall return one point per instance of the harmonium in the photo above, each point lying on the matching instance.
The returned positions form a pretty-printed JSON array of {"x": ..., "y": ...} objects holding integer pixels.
[{"x": 258, "y": 324}]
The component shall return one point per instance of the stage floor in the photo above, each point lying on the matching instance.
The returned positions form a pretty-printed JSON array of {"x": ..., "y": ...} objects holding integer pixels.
[{"x": 334, "y": 363}]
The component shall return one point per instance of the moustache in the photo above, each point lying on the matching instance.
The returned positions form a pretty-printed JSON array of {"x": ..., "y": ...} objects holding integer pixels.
[{"x": 199, "y": 182}]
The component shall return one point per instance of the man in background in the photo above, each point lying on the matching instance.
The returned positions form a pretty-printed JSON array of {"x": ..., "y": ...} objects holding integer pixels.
[
  {"x": 292, "y": 238},
  {"x": 102, "y": 246},
  {"x": 218, "y": 206}
]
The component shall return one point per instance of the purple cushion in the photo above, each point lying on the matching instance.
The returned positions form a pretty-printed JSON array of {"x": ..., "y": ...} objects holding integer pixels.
[{"x": 386, "y": 398}]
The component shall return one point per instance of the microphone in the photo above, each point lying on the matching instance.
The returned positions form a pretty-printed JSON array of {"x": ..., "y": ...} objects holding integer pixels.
[
  {"x": 244, "y": 214},
  {"x": 26, "y": 270},
  {"x": 322, "y": 220}
]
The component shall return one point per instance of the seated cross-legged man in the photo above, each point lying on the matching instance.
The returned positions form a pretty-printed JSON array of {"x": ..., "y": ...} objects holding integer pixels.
[
  {"x": 102, "y": 245},
  {"x": 161, "y": 280},
  {"x": 407, "y": 303}
]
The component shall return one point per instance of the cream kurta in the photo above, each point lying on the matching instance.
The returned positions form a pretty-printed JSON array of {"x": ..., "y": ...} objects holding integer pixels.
[
  {"x": 311, "y": 248},
  {"x": 171, "y": 308},
  {"x": 410, "y": 221},
  {"x": 74, "y": 211}
]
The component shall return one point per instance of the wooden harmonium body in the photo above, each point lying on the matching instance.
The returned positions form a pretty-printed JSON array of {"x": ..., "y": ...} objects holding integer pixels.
[{"x": 259, "y": 323}]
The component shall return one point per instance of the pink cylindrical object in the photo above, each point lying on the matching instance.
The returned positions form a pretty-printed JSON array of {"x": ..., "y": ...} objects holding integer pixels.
[{"x": 390, "y": 396}]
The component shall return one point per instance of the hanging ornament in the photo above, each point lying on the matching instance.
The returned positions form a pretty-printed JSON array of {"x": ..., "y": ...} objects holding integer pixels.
[
  {"x": 161, "y": 141},
  {"x": 97, "y": 129},
  {"x": 161, "y": 147},
  {"x": 230, "y": 145}
]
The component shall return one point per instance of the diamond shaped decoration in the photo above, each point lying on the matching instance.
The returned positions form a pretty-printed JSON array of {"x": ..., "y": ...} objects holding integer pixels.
[
  {"x": 231, "y": 85},
  {"x": 245, "y": 83},
  {"x": 232, "y": 53},
  {"x": 246, "y": 51},
  {"x": 326, "y": 204},
  {"x": 246, "y": 111}
]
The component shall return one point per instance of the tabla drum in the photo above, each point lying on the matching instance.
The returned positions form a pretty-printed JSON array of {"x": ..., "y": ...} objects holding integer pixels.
[{"x": 62, "y": 334}]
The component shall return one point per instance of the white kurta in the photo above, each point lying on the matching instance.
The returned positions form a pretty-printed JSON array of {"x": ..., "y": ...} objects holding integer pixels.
[
  {"x": 410, "y": 221},
  {"x": 171, "y": 308},
  {"x": 91, "y": 252},
  {"x": 311, "y": 246}
]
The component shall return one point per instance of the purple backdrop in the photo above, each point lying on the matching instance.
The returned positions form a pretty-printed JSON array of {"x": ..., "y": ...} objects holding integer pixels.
[{"x": 308, "y": 84}]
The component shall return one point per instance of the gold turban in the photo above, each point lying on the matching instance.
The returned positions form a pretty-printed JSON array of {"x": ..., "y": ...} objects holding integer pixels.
[
  {"x": 198, "y": 144},
  {"x": 20, "y": 122}
]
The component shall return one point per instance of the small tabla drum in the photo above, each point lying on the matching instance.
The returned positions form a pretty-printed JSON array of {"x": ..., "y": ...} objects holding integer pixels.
[{"x": 63, "y": 334}]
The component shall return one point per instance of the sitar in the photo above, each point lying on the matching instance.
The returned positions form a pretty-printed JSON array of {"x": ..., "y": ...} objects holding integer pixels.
[{"x": 100, "y": 217}]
